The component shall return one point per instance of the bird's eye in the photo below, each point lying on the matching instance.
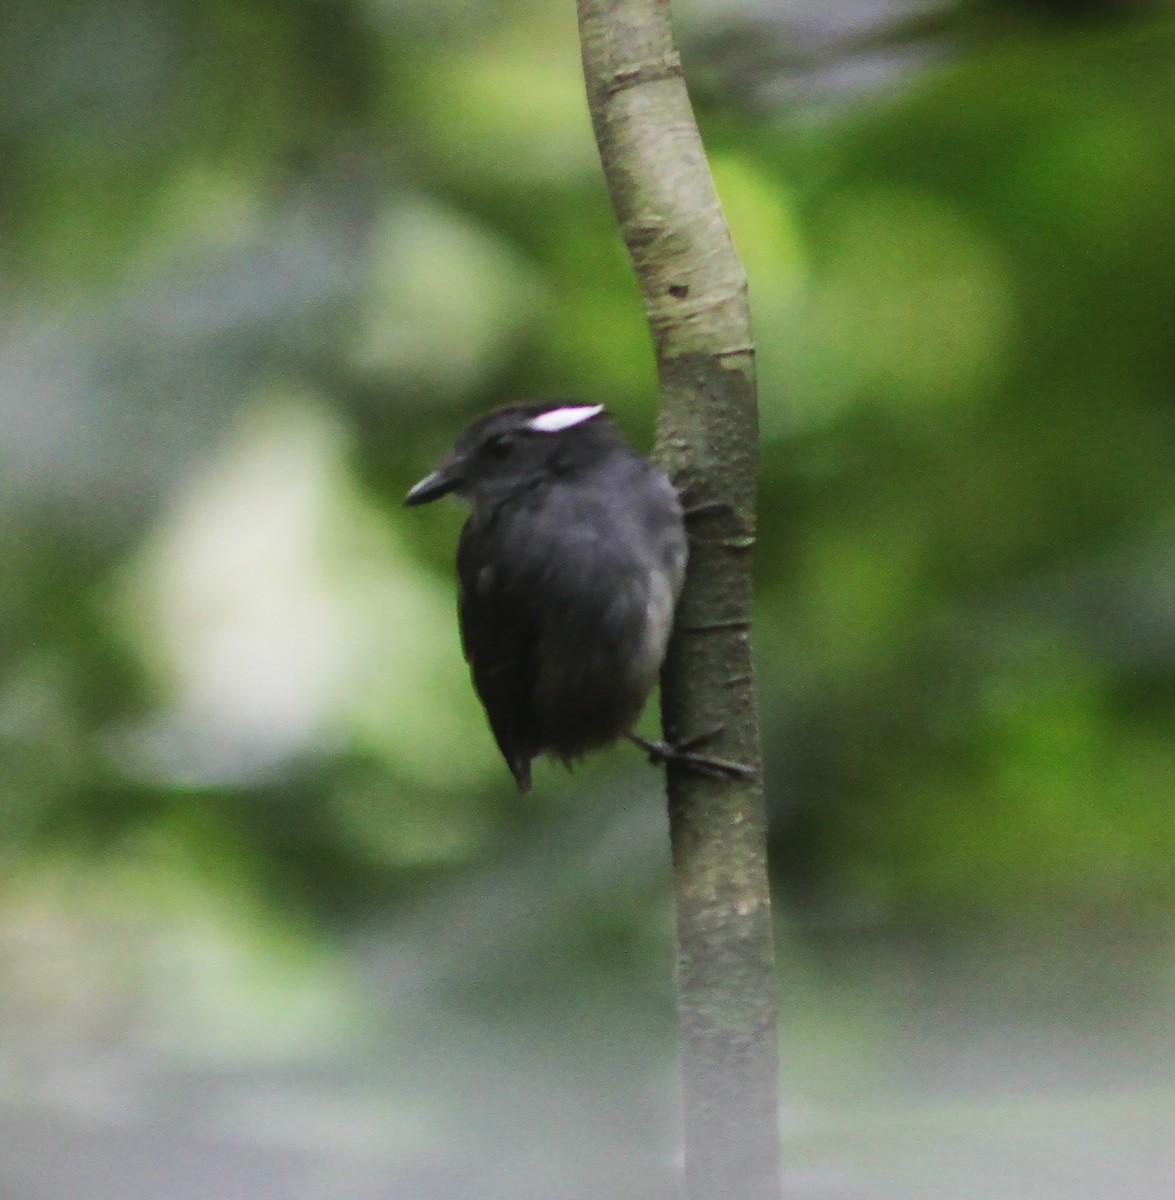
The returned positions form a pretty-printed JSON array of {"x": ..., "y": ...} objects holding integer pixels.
[{"x": 500, "y": 445}]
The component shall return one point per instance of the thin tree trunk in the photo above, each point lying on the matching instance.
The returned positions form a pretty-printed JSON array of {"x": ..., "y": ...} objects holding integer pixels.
[{"x": 695, "y": 295}]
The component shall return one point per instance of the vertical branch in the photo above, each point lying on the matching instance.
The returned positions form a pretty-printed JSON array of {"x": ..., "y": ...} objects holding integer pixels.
[{"x": 695, "y": 297}]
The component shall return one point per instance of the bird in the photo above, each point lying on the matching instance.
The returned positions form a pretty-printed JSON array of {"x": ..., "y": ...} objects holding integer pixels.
[{"x": 569, "y": 567}]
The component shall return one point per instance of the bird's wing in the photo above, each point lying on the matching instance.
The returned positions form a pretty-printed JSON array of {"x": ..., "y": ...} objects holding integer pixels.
[{"x": 498, "y": 637}]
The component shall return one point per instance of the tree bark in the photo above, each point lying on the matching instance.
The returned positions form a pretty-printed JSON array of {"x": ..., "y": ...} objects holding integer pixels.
[{"x": 695, "y": 295}]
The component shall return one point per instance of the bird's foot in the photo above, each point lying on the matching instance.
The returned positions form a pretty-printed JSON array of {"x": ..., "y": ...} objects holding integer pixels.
[{"x": 682, "y": 754}]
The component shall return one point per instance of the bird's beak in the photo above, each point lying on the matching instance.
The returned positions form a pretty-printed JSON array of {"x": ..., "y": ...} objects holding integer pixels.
[{"x": 432, "y": 487}]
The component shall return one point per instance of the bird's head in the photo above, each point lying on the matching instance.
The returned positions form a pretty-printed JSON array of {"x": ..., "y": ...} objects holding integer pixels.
[{"x": 513, "y": 447}]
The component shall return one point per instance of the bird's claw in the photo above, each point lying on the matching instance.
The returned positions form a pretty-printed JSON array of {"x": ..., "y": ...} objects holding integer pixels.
[{"x": 682, "y": 754}]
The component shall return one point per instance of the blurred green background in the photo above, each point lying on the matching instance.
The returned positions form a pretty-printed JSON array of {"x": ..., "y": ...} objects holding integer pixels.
[{"x": 272, "y": 921}]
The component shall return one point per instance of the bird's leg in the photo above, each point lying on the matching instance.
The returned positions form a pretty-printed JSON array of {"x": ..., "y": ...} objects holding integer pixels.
[{"x": 682, "y": 754}]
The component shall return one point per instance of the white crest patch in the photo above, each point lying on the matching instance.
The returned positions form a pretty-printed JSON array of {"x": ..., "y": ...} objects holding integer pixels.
[{"x": 564, "y": 418}]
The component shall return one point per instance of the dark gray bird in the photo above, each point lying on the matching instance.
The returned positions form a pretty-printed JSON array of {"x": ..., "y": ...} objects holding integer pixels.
[{"x": 570, "y": 566}]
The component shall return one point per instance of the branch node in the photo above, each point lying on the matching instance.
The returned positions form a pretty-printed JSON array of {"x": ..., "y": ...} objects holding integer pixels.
[
  {"x": 651, "y": 70},
  {"x": 740, "y": 624}
]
